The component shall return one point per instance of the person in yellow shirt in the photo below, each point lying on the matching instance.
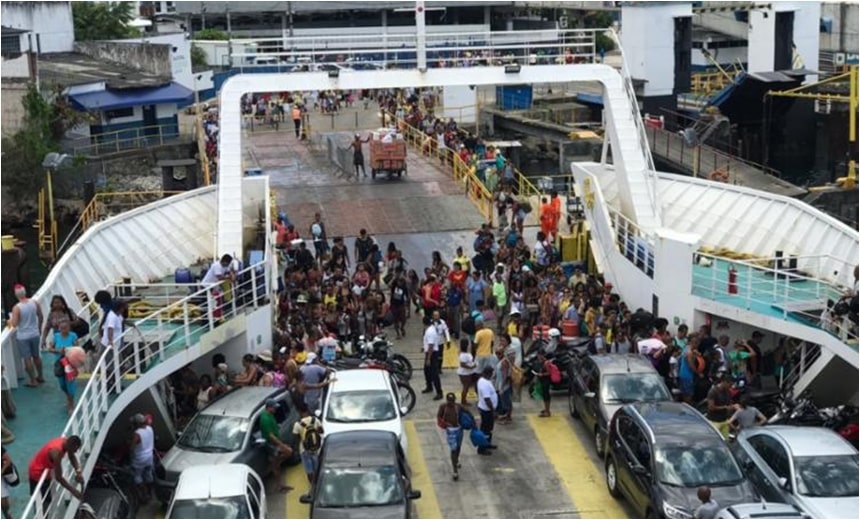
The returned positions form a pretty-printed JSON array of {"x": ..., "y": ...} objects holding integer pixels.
[
  {"x": 483, "y": 347},
  {"x": 592, "y": 316},
  {"x": 463, "y": 260}
]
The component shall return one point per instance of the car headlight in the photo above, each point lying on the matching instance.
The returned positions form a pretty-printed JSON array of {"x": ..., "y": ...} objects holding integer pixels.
[{"x": 675, "y": 512}]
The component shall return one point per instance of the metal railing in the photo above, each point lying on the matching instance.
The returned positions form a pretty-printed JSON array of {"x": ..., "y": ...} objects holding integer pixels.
[
  {"x": 542, "y": 46},
  {"x": 125, "y": 139},
  {"x": 450, "y": 162},
  {"x": 800, "y": 363},
  {"x": 703, "y": 160},
  {"x": 770, "y": 290},
  {"x": 632, "y": 242},
  {"x": 165, "y": 333}
]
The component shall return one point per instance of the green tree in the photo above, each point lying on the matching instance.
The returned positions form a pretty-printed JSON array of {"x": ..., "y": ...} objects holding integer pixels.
[
  {"x": 103, "y": 20},
  {"x": 198, "y": 57},
  {"x": 43, "y": 126},
  {"x": 211, "y": 34}
]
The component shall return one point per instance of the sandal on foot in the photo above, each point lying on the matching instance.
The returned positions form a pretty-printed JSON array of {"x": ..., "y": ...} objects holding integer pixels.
[{"x": 544, "y": 413}]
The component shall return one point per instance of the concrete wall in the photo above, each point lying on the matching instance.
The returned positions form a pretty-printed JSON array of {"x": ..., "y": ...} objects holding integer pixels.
[
  {"x": 152, "y": 58},
  {"x": 11, "y": 95},
  {"x": 762, "y": 30},
  {"x": 762, "y": 35},
  {"x": 51, "y": 21},
  {"x": 180, "y": 54},
  {"x": 18, "y": 68},
  {"x": 648, "y": 39},
  {"x": 843, "y": 36}
]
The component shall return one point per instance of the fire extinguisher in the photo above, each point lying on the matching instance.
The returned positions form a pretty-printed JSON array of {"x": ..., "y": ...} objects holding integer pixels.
[{"x": 733, "y": 280}]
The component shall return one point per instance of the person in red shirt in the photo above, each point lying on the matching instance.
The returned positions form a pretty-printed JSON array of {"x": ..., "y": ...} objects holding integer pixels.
[
  {"x": 458, "y": 276},
  {"x": 50, "y": 458},
  {"x": 555, "y": 204},
  {"x": 547, "y": 221},
  {"x": 432, "y": 295}
]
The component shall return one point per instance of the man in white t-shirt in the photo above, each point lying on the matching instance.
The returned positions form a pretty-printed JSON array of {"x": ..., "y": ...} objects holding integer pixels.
[
  {"x": 430, "y": 348},
  {"x": 488, "y": 401},
  {"x": 219, "y": 271}
]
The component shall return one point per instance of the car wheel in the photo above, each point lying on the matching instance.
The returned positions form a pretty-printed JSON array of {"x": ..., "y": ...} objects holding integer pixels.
[
  {"x": 571, "y": 402},
  {"x": 599, "y": 442},
  {"x": 612, "y": 478}
]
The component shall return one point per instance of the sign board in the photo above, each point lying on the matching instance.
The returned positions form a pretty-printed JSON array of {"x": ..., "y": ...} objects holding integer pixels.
[{"x": 845, "y": 58}]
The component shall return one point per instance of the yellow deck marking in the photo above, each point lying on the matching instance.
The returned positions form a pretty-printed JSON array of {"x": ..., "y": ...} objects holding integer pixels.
[
  {"x": 296, "y": 478},
  {"x": 583, "y": 480},
  {"x": 427, "y": 506}
]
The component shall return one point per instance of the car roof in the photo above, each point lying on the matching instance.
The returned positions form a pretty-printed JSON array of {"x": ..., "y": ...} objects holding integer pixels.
[
  {"x": 807, "y": 441},
  {"x": 761, "y": 510},
  {"x": 361, "y": 379},
  {"x": 241, "y": 402},
  {"x": 212, "y": 481},
  {"x": 360, "y": 447},
  {"x": 622, "y": 363},
  {"x": 671, "y": 422}
]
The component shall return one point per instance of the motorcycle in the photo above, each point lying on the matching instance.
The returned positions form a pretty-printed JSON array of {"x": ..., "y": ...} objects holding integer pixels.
[
  {"x": 842, "y": 419},
  {"x": 107, "y": 494},
  {"x": 563, "y": 354},
  {"x": 378, "y": 349}
]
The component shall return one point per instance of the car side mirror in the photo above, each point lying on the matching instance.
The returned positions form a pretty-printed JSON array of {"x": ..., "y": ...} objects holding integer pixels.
[
  {"x": 306, "y": 499},
  {"x": 318, "y": 413},
  {"x": 404, "y": 410},
  {"x": 414, "y": 494},
  {"x": 589, "y": 395},
  {"x": 784, "y": 483},
  {"x": 676, "y": 392},
  {"x": 259, "y": 442}
]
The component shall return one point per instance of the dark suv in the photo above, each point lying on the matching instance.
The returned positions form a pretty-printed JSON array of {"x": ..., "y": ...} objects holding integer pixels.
[
  {"x": 658, "y": 454},
  {"x": 600, "y": 384}
]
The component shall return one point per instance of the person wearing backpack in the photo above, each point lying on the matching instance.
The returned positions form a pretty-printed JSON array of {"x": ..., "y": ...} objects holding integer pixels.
[{"x": 309, "y": 430}]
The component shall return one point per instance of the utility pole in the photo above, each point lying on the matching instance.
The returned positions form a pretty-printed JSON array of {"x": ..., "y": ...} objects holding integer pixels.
[
  {"x": 202, "y": 16},
  {"x": 229, "y": 35}
]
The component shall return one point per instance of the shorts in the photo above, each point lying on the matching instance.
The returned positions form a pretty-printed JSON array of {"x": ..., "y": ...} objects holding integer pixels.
[
  {"x": 143, "y": 474},
  {"x": 70, "y": 388},
  {"x": 723, "y": 427},
  {"x": 4, "y": 488},
  {"x": 28, "y": 347},
  {"x": 310, "y": 461},
  {"x": 687, "y": 386},
  {"x": 454, "y": 436}
]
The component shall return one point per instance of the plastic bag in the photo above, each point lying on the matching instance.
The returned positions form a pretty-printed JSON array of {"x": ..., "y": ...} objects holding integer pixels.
[{"x": 537, "y": 391}]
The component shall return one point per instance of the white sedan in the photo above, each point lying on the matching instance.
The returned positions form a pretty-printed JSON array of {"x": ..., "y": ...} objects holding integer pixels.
[
  {"x": 218, "y": 491},
  {"x": 363, "y": 399}
]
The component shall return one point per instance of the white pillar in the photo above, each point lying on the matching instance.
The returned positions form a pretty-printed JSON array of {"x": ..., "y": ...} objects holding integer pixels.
[
  {"x": 673, "y": 274},
  {"x": 421, "y": 36}
]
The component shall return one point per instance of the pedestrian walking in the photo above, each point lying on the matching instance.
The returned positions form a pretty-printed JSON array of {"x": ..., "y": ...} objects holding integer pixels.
[
  {"x": 279, "y": 451},
  {"x": 466, "y": 370},
  {"x": 432, "y": 359},
  {"x": 309, "y": 430},
  {"x": 26, "y": 321},
  {"x": 142, "y": 461},
  {"x": 448, "y": 418}
]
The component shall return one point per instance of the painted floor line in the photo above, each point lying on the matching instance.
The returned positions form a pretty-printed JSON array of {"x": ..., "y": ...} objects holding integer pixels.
[
  {"x": 583, "y": 480},
  {"x": 427, "y": 506},
  {"x": 298, "y": 480}
]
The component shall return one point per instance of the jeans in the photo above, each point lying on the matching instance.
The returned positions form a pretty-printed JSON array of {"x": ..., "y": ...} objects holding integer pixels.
[{"x": 488, "y": 419}]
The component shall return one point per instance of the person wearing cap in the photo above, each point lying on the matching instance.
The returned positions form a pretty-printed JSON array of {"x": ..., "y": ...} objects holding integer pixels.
[
  {"x": 279, "y": 451},
  {"x": 142, "y": 444},
  {"x": 27, "y": 321},
  {"x": 448, "y": 418},
  {"x": 315, "y": 378}
]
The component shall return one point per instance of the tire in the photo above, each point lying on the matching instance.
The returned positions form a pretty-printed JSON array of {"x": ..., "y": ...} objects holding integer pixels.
[
  {"x": 599, "y": 442},
  {"x": 612, "y": 478},
  {"x": 402, "y": 365},
  {"x": 407, "y": 395},
  {"x": 571, "y": 404}
]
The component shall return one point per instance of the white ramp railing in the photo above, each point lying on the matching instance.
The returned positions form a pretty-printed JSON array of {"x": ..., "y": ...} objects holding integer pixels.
[{"x": 165, "y": 333}]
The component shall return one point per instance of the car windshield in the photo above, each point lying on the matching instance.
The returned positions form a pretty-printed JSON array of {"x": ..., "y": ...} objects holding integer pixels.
[
  {"x": 827, "y": 476},
  {"x": 696, "y": 465},
  {"x": 225, "y": 507},
  {"x": 630, "y": 388},
  {"x": 214, "y": 433},
  {"x": 360, "y": 487},
  {"x": 361, "y": 406}
]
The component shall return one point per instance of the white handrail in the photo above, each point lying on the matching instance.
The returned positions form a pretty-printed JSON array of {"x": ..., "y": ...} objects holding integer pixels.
[
  {"x": 774, "y": 286},
  {"x": 198, "y": 313}
]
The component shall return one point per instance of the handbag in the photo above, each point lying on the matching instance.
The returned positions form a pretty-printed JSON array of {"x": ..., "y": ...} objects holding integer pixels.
[{"x": 11, "y": 476}]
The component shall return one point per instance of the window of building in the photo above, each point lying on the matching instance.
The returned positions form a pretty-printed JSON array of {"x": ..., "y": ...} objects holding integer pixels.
[
  {"x": 10, "y": 44},
  {"x": 119, "y": 112}
]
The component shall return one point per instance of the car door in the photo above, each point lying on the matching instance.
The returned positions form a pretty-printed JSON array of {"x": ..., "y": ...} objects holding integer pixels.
[
  {"x": 256, "y": 452},
  {"x": 771, "y": 463},
  {"x": 591, "y": 395},
  {"x": 624, "y": 445}
]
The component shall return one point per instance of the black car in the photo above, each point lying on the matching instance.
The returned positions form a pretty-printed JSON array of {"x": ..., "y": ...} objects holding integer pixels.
[
  {"x": 362, "y": 474},
  {"x": 658, "y": 454},
  {"x": 600, "y": 384}
]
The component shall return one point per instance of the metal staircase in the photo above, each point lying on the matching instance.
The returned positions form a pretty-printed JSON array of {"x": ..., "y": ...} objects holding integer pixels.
[
  {"x": 151, "y": 349},
  {"x": 634, "y": 165}
]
